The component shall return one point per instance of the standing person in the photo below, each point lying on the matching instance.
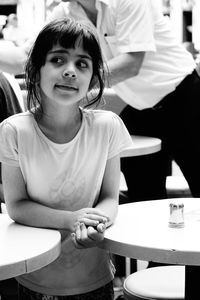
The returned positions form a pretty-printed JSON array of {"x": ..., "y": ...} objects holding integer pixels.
[
  {"x": 61, "y": 165},
  {"x": 156, "y": 77}
]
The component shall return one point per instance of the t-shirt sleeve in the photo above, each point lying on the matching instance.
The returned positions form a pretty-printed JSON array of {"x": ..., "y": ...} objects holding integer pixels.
[
  {"x": 8, "y": 144},
  {"x": 120, "y": 138},
  {"x": 134, "y": 26}
]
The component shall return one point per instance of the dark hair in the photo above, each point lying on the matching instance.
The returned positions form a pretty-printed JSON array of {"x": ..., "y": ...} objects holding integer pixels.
[{"x": 67, "y": 33}]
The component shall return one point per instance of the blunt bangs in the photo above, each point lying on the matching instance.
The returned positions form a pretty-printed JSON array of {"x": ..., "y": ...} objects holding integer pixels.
[{"x": 68, "y": 34}]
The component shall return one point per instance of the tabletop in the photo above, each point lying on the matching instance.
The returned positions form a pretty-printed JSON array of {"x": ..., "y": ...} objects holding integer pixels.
[
  {"x": 25, "y": 249},
  {"x": 142, "y": 231},
  {"x": 142, "y": 145}
]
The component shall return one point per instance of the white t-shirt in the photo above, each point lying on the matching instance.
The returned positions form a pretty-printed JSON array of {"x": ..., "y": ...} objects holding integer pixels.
[
  {"x": 69, "y": 177},
  {"x": 133, "y": 26}
]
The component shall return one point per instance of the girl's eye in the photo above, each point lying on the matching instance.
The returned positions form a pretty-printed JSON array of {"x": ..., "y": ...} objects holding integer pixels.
[
  {"x": 83, "y": 64},
  {"x": 57, "y": 60}
]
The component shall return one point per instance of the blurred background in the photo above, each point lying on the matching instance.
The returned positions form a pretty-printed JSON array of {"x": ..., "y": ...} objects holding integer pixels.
[{"x": 20, "y": 18}]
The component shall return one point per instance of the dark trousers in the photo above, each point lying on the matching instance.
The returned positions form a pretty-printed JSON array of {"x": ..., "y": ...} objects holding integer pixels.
[
  {"x": 8, "y": 289},
  {"x": 176, "y": 121},
  {"x": 104, "y": 293}
]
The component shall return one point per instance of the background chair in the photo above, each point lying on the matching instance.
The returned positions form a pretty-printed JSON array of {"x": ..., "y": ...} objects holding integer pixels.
[{"x": 156, "y": 283}]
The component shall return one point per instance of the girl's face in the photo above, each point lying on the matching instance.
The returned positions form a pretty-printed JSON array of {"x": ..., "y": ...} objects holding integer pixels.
[{"x": 66, "y": 75}]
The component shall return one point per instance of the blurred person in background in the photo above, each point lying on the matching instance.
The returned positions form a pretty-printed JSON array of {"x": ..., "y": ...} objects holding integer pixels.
[
  {"x": 12, "y": 32},
  {"x": 9, "y": 105},
  {"x": 155, "y": 75}
]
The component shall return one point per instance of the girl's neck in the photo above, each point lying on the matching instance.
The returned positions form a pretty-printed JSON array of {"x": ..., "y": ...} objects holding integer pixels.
[{"x": 60, "y": 129}]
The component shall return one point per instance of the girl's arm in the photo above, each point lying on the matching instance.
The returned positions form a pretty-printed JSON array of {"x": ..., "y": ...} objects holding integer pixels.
[
  {"x": 24, "y": 210},
  {"x": 108, "y": 204},
  {"x": 109, "y": 196}
]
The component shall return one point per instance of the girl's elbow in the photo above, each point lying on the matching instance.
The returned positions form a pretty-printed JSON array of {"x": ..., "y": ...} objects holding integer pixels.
[{"x": 14, "y": 212}]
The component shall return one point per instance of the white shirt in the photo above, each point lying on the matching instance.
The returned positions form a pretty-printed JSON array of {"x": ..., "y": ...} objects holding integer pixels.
[
  {"x": 138, "y": 25},
  {"x": 69, "y": 177}
]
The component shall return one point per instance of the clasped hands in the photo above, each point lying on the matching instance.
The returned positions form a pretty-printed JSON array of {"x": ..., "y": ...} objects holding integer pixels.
[{"x": 89, "y": 227}]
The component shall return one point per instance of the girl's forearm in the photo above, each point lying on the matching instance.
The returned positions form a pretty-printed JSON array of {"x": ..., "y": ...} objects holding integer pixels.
[
  {"x": 31, "y": 213},
  {"x": 35, "y": 214}
]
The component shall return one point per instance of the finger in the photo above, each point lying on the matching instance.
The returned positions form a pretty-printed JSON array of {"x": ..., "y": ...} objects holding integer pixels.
[
  {"x": 89, "y": 222},
  {"x": 73, "y": 238},
  {"x": 84, "y": 235},
  {"x": 97, "y": 213},
  {"x": 75, "y": 242},
  {"x": 91, "y": 231},
  {"x": 93, "y": 220},
  {"x": 94, "y": 235},
  {"x": 101, "y": 227},
  {"x": 77, "y": 231},
  {"x": 86, "y": 240},
  {"x": 100, "y": 218}
]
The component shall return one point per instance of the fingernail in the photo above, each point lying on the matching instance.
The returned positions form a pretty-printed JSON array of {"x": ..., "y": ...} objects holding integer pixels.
[{"x": 101, "y": 227}]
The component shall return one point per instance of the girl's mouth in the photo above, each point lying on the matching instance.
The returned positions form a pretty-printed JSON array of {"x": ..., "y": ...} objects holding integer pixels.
[{"x": 66, "y": 87}]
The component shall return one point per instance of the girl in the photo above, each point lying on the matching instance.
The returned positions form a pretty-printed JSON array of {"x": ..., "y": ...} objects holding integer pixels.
[{"x": 61, "y": 165}]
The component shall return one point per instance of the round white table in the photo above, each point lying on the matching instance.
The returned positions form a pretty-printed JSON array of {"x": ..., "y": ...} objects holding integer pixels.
[
  {"x": 25, "y": 249},
  {"x": 142, "y": 145},
  {"x": 141, "y": 231}
]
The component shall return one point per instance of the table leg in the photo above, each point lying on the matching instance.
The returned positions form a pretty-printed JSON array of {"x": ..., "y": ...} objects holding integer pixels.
[
  {"x": 192, "y": 275},
  {"x": 128, "y": 266}
]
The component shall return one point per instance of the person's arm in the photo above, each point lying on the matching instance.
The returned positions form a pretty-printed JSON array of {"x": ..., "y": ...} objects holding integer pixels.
[
  {"x": 124, "y": 66},
  {"x": 134, "y": 36},
  {"x": 24, "y": 210},
  {"x": 12, "y": 58},
  {"x": 85, "y": 237}
]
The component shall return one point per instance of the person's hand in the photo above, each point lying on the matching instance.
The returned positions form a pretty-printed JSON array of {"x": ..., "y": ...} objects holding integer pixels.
[
  {"x": 87, "y": 237},
  {"x": 88, "y": 216}
]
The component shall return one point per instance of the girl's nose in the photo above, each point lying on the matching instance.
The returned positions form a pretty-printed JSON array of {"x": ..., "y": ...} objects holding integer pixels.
[{"x": 69, "y": 74}]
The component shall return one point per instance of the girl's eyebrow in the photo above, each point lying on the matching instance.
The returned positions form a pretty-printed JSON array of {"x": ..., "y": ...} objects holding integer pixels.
[{"x": 61, "y": 51}]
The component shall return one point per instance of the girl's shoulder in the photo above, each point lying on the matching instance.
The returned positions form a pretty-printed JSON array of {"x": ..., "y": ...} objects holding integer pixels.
[
  {"x": 101, "y": 116},
  {"x": 13, "y": 127},
  {"x": 103, "y": 121},
  {"x": 20, "y": 120}
]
